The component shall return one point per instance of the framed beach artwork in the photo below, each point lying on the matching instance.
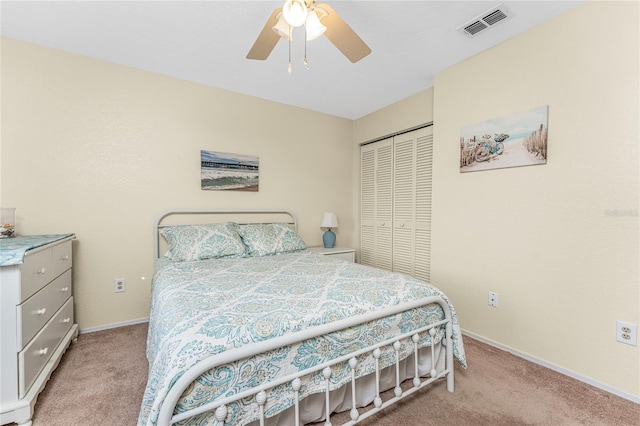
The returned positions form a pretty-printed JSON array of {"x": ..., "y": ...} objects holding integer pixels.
[
  {"x": 225, "y": 171},
  {"x": 511, "y": 141}
]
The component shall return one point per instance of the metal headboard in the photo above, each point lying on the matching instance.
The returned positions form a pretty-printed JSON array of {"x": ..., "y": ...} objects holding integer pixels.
[{"x": 236, "y": 214}]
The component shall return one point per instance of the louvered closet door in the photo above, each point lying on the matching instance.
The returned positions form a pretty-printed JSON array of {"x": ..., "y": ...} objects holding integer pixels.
[
  {"x": 396, "y": 203},
  {"x": 376, "y": 204},
  {"x": 403, "y": 202},
  {"x": 367, "y": 205},
  {"x": 412, "y": 203},
  {"x": 422, "y": 227}
]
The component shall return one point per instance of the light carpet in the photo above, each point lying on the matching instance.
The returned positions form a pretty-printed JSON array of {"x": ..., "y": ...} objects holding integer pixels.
[{"x": 101, "y": 379}]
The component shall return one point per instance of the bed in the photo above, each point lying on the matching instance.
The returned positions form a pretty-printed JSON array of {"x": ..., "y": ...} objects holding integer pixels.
[{"x": 247, "y": 326}]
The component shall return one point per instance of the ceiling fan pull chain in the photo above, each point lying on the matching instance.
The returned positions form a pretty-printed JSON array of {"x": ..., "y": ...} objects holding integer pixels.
[
  {"x": 290, "y": 37},
  {"x": 304, "y": 60}
]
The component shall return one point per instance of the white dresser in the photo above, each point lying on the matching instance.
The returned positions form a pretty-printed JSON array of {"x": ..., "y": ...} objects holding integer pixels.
[
  {"x": 344, "y": 253},
  {"x": 36, "y": 318}
]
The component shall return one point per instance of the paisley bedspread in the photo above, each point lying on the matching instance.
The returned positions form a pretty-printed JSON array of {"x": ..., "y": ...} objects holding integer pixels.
[{"x": 201, "y": 308}]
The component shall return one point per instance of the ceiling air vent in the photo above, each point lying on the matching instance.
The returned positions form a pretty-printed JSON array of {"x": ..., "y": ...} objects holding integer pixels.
[{"x": 484, "y": 20}]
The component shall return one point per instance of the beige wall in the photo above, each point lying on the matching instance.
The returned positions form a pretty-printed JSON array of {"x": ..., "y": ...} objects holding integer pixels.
[
  {"x": 101, "y": 150},
  {"x": 410, "y": 112},
  {"x": 543, "y": 237}
]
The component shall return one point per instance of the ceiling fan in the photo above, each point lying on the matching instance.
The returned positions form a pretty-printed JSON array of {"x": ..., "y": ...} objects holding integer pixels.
[{"x": 318, "y": 19}]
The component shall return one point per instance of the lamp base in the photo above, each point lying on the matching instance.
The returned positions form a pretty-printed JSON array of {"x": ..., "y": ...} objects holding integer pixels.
[{"x": 329, "y": 239}]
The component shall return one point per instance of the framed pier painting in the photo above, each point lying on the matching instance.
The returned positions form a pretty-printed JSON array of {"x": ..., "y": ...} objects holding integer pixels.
[
  {"x": 512, "y": 141},
  {"x": 225, "y": 171}
]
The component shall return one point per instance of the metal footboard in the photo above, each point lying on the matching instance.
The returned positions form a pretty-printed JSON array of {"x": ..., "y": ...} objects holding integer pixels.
[{"x": 219, "y": 406}]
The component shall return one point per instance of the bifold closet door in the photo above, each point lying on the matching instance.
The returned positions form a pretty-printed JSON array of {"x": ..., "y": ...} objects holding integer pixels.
[
  {"x": 404, "y": 200},
  {"x": 376, "y": 167},
  {"x": 396, "y": 203},
  {"x": 412, "y": 203}
]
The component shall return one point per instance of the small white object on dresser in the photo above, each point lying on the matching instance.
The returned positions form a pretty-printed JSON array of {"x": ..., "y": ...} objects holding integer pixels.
[
  {"x": 344, "y": 253},
  {"x": 36, "y": 318}
]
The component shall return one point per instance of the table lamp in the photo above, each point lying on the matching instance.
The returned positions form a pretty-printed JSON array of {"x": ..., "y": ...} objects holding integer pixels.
[{"x": 330, "y": 220}]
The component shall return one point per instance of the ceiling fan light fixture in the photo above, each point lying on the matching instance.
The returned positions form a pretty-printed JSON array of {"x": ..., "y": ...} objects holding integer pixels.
[
  {"x": 282, "y": 28},
  {"x": 313, "y": 26},
  {"x": 295, "y": 12},
  {"x": 321, "y": 19}
]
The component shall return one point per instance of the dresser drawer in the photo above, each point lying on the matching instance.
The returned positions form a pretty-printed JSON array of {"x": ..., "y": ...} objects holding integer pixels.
[
  {"x": 35, "y": 272},
  {"x": 34, "y": 313},
  {"x": 43, "y": 266},
  {"x": 33, "y": 358},
  {"x": 62, "y": 258}
]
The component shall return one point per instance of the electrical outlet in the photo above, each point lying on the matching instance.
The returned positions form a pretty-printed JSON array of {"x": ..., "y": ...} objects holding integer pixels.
[
  {"x": 120, "y": 285},
  {"x": 627, "y": 333},
  {"x": 493, "y": 299}
]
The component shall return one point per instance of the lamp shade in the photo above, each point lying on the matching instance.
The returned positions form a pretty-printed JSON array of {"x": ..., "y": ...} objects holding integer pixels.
[
  {"x": 329, "y": 220},
  {"x": 282, "y": 28},
  {"x": 295, "y": 12},
  {"x": 313, "y": 27}
]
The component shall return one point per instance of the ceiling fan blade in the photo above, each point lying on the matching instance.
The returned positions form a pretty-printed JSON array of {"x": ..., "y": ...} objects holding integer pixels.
[
  {"x": 267, "y": 39},
  {"x": 343, "y": 36}
]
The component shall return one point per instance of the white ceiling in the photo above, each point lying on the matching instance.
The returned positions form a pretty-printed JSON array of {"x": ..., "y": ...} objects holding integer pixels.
[{"x": 207, "y": 41}]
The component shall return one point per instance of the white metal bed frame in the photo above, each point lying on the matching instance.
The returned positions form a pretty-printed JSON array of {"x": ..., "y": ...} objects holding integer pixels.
[{"x": 219, "y": 406}]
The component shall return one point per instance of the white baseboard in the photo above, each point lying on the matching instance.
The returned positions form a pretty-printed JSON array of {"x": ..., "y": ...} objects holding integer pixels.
[
  {"x": 115, "y": 325},
  {"x": 561, "y": 370}
]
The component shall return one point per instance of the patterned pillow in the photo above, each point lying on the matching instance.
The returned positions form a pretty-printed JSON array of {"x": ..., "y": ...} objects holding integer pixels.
[
  {"x": 199, "y": 242},
  {"x": 272, "y": 238}
]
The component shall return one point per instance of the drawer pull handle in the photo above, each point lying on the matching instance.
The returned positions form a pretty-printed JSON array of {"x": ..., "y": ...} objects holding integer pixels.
[
  {"x": 41, "y": 351},
  {"x": 65, "y": 257},
  {"x": 41, "y": 270},
  {"x": 40, "y": 311},
  {"x": 66, "y": 320},
  {"x": 64, "y": 289}
]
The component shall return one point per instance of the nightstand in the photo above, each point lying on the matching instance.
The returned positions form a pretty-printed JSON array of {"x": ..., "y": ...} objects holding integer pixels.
[{"x": 344, "y": 253}]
